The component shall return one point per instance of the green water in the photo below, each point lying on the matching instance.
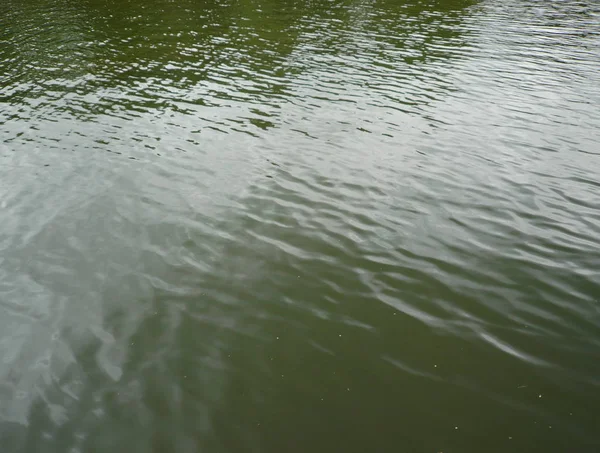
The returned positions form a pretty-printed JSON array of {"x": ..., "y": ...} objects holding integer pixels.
[{"x": 282, "y": 226}]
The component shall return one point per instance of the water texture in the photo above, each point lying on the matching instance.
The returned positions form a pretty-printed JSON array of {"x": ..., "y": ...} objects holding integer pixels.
[{"x": 299, "y": 226}]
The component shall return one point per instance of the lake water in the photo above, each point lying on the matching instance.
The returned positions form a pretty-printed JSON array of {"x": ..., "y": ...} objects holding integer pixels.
[{"x": 299, "y": 226}]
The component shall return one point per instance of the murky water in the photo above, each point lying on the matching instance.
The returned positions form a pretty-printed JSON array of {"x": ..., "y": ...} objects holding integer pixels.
[{"x": 299, "y": 226}]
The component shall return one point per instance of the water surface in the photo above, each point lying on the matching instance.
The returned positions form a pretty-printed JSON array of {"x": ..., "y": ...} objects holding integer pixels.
[{"x": 299, "y": 226}]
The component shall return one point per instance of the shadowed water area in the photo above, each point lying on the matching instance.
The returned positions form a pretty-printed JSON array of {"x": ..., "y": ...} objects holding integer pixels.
[{"x": 295, "y": 226}]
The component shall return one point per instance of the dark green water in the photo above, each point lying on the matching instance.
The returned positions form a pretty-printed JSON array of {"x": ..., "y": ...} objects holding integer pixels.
[{"x": 282, "y": 226}]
